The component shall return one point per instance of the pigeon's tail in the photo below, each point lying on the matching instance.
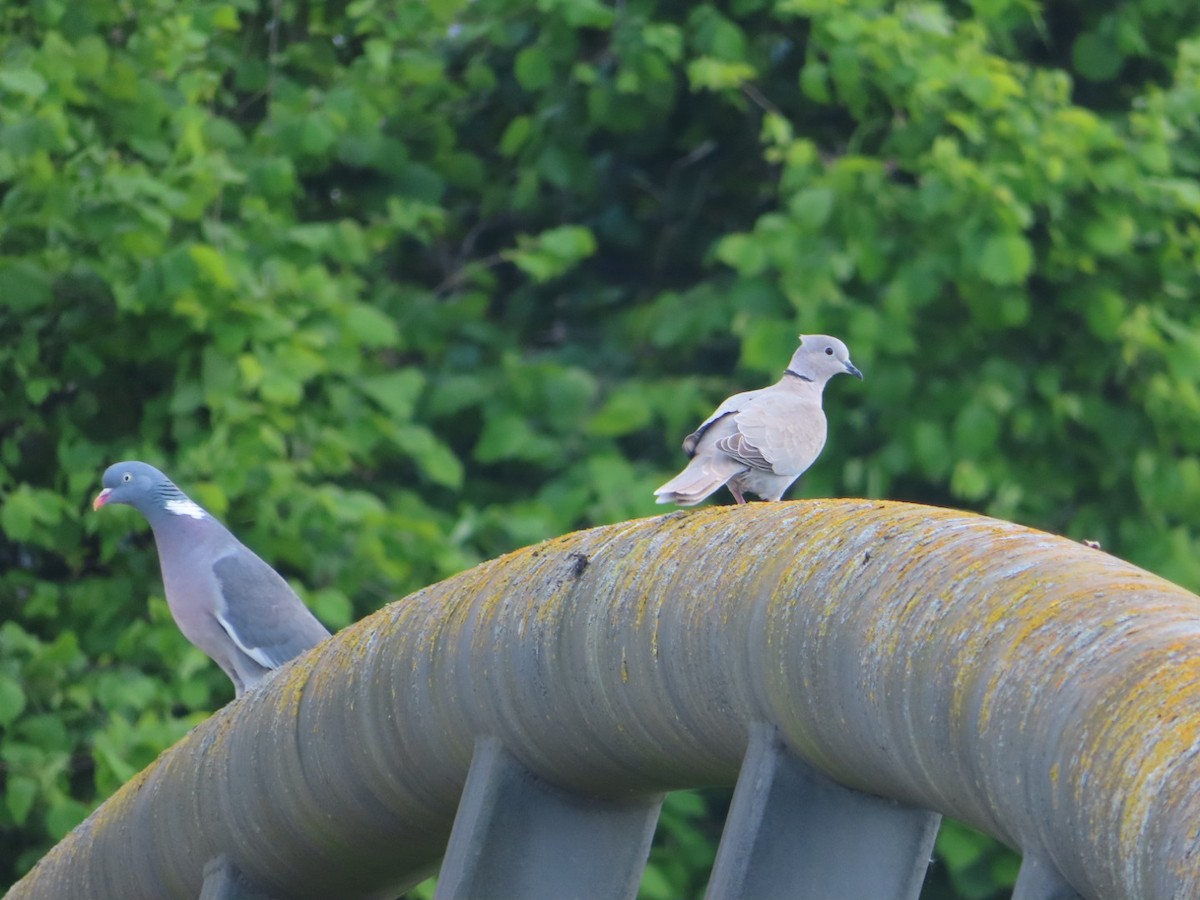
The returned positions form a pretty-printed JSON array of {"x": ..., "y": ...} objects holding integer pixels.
[{"x": 703, "y": 475}]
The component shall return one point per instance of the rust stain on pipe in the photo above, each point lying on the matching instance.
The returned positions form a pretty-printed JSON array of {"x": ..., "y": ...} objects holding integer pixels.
[{"x": 1041, "y": 690}]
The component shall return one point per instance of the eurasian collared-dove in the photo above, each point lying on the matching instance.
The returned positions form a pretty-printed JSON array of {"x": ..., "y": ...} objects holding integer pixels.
[
  {"x": 224, "y": 599},
  {"x": 759, "y": 442}
]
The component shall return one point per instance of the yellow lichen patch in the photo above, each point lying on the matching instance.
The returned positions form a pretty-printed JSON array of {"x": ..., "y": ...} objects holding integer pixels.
[{"x": 1159, "y": 732}]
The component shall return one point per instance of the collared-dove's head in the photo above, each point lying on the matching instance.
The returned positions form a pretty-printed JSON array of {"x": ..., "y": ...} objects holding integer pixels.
[
  {"x": 145, "y": 489},
  {"x": 820, "y": 357}
]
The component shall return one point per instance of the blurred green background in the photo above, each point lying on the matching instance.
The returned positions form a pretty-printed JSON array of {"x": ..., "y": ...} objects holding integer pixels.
[{"x": 395, "y": 287}]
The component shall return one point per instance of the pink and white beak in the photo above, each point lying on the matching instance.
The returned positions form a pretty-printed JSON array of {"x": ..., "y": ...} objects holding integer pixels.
[{"x": 101, "y": 498}]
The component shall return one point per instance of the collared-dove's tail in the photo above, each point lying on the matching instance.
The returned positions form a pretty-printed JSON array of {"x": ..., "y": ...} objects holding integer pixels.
[{"x": 703, "y": 475}]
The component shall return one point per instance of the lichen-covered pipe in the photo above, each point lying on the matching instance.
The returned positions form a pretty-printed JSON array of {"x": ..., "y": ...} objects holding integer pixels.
[{"x": 1043, "y": 691}]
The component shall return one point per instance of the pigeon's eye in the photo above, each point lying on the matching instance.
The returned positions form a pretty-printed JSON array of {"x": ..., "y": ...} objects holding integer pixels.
[
  {"x": 127, "y": 477},
  {"x": 829, "y": 351}
]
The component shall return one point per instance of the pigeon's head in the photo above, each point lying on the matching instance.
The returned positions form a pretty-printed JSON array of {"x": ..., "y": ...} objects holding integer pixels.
[
  {"x": 820, "y": 357},
  {"x": 145, "y": 489}
]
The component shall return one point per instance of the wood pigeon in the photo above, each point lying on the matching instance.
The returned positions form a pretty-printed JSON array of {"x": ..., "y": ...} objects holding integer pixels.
[
  {"x": 761, "y": 441},
  {"x": 224, "y": 599}
]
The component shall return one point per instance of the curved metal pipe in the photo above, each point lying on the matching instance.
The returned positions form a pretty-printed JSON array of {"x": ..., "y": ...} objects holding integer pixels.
[{"x": 1047, "y": 693}]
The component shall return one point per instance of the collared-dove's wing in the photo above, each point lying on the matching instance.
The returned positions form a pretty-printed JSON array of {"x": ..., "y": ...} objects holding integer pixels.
[
  {"x": 730, "y": 405},
  {"x": 781, "y": 433}
]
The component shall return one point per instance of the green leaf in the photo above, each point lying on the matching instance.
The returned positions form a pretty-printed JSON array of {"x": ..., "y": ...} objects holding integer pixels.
[
  {"x": 332, "y": 607},
  {"x": 24, "y": 284},
  {"x": 709, "y": 74},
  {"x": 557, "y": 165},
  {"x": 625, "y": 411},
  {"x": 969, "y": 481},
  {"x": 685, "y": 803},
  {"x": 12, "y": 700},
  {"x": 455, "y": 392},
  {"x": 811, "y": 207},
  {"x": 317, "y": 135},
  {"x": 226, "y": 18},
  {"x": 106, "y": 752},
  {"x": 533, "y": 69},
  {"x": 274, "y": 177},
  {"x": 1006, "y": 259},
  {"x": 435, "y": 459},
  {"x": 568, "y": 242},
  {"x": 22, "y": 81},
  {"x": 767, "y": 344},
  {"x": 371, "y": 327},
  {"x": 508, "y": 436},
  {"x": 1105, "y": 311},
  {"x": 1111, "y": 234},
  {"x": 63, "y": 816},
  {"x": 976, "y": 428},
  {"x": 1096, "y": 57},
  {"x": 212, "y": 265},
  {"x": 743, "y": 252},
  {"x": 251, "y": 370},
  {"x": 396, "y": 392},
  {"x": 581, "y": 13},
  {"x": 655, "y": 885},
  {"x": 280, "y": 387},
  {"x": 931, "y": 449},
  {"x": 552, "y": 253},
  {"x": 664, "y": 37},
  {"x": 958, "y": 845},
  {"x": 91, "y": 56},
  {"x": 814, "y": 82},
  {"x": 19, "y": 793},
  {"x": 18, "y": 512}
]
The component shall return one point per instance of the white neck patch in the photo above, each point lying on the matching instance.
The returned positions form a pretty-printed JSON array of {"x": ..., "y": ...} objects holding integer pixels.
[{"x": 185, "y": 507}]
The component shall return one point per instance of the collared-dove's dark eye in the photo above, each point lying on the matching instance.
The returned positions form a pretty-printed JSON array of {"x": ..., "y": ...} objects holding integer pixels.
[
  {"x": 829, "y": 351},
  {"x": 127, "y": 477}
]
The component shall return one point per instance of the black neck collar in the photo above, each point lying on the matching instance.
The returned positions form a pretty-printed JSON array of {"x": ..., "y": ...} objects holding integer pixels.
[{"x": 796, "y": 375}]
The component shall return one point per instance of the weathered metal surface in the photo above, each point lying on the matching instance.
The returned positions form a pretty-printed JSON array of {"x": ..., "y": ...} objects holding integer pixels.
[
  {"x": 222, "y": 881},
  {"x": 516, "y": 836},
  {"x": 792, "y": 834},
  {"x": 1045, "y": 692},
  {"x": 1039, "y": 880}
]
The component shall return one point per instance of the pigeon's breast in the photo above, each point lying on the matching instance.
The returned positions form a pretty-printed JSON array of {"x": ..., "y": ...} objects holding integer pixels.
[{"x": 186, "y": 550}]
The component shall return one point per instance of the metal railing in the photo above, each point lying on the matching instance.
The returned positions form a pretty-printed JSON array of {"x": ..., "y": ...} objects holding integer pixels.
[{"x": 866, "y": 666}]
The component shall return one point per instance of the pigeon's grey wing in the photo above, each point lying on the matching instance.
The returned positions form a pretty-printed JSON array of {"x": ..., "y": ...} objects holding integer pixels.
[
  {"x": 781, "y": 433},
  {"x": 261, "y": 613},
  {"x": 730, "y": 405}
]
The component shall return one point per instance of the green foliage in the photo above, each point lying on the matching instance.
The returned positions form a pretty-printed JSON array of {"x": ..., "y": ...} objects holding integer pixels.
[
  {"x": 684, "y": 845},
  {"x": 976, "y": 868},
  {"x": 393, "y": 288}
]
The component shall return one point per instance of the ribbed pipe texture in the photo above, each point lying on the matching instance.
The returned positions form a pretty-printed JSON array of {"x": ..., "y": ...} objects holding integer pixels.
[{"x": 1045, "y": 692}]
